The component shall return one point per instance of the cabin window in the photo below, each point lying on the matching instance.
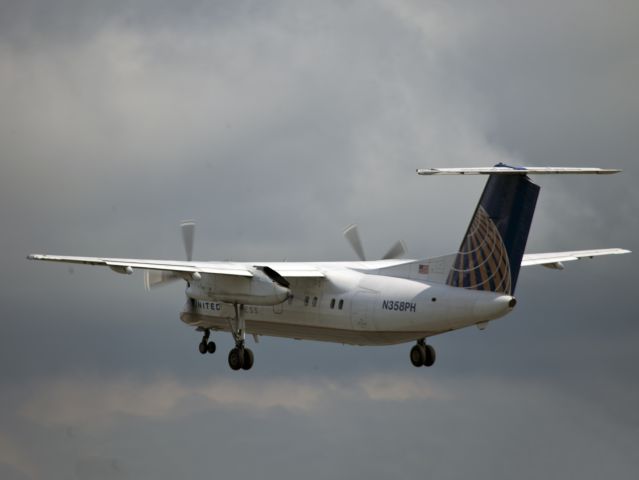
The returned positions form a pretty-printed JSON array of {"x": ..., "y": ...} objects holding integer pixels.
[
  {"x": 314, "y": 301},
  {"x": 290, "y": 299},
  {"x": 341, "y": 304},
  {"x": 306, "y": 300},
  {"x": 332, "y": 303}
]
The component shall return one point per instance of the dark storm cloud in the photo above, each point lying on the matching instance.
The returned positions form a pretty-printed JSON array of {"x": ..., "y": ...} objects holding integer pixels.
[
  {"x": 275, "y": 125},
  {"x": 67, "y": 21}
]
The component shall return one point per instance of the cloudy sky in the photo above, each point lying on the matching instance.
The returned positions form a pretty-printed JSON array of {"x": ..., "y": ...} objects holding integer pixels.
[{"x": 275, "y": 125}]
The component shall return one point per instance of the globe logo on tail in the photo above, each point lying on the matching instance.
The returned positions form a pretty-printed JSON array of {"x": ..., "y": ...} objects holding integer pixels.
[{"x": 482, "y": 261}]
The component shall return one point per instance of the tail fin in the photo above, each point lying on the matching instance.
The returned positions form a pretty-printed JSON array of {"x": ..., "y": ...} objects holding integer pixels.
[{"x": 490, "y": 255}]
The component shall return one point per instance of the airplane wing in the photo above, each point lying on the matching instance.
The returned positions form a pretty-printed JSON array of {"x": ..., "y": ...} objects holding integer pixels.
[
  {"x": 555, "y": 259},
  {"x": 126, "y": 265},
  {"x": 160, "y": 272}
]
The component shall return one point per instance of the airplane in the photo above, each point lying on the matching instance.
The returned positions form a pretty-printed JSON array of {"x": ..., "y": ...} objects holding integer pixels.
[{"x": 380, "y": 302}]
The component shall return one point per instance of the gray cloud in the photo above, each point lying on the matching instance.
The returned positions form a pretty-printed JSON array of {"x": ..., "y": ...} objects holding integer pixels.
[{"x": 387, "y": 415}]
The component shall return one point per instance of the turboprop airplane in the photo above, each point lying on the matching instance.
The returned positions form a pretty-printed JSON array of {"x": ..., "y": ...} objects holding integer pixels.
[{"x": 380, "y": 302}]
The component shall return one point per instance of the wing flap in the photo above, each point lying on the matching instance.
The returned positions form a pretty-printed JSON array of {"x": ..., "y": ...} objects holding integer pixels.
[
  {"x": 301, "y": 273},
  {"x": 293, "y": 270}
]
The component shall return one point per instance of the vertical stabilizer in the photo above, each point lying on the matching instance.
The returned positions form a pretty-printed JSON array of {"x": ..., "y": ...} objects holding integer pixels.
[{"x": 490, "y": 255}]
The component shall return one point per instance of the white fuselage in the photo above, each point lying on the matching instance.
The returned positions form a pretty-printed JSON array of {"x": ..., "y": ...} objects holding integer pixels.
[{"x": 349, "y": 304}]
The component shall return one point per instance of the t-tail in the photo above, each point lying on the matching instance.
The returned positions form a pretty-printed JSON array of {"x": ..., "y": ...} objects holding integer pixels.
[
  {"x": 490, "y": 254},
  {"x": 492, "y": 250}
]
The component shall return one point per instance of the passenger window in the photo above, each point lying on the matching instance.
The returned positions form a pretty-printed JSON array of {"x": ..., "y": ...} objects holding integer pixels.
[
  {"x": 314, "y": 301},
  {"x": 290, "y": 299},
  {"x": 341, "y": 304},
  {"x": 332, "y": 303},
  {"x": 306, "y": 300}
]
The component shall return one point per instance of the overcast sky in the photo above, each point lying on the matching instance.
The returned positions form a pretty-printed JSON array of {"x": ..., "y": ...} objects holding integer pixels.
[{"x": 274, "y": 125}]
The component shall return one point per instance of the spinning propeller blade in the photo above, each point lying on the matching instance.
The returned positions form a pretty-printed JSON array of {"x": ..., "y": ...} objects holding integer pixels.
[
  {"x": 398, "y": 250},
  {"x": 188, "y": 235},
  {"x": 351, "y": 233},
  {"x": 155, "y": 278}
]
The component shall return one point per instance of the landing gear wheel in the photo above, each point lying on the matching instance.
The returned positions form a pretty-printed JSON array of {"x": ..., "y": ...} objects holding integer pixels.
[
  {"x": 236, "y": 358},
  {"x": 205, "y": 345},
  {"x": 417, "y": 355},
  {"x": 248, "y": 359},
  {"x": 430, "y": 357},
  {"x": 210, "y": 347}
]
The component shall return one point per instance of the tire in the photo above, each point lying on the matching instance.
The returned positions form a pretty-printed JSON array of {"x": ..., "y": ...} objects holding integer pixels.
[
  {"x": 202, "y": 348},
  {"x": 248, "y": 359},
  {"x": 417, "y": 355},
  {"x": 430, "y": 356},
  {"x": 210, "y": 347},
  {"x": 235, "y": 359}
]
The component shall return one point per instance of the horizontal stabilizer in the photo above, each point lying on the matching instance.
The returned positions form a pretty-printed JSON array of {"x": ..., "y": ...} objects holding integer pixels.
[
  {"x": 502, "y": 169},
  {"x": 555, "y": 259}
]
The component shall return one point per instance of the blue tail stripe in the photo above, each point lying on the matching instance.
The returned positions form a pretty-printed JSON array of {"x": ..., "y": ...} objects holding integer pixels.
[{"x": 510, "y": 202}]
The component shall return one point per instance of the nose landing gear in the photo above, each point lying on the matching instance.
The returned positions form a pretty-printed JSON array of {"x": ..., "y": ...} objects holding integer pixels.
[
  {"x": 422, "y": 355},
  {"x": 205, "y": 346}
]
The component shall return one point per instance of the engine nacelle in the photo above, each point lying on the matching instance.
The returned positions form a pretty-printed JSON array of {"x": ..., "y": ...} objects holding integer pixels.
[{"x": 259, "y": 289}]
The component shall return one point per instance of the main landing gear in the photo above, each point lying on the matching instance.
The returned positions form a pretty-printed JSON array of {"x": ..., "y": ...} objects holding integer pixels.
[
  {"x": 240, "y": 357},
  {"x": 422, "y": 355}
]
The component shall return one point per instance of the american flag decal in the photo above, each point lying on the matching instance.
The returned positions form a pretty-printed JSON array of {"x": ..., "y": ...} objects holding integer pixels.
[
  {"x": 423, "y": 269},
  {"x": 482, "y": 262}
]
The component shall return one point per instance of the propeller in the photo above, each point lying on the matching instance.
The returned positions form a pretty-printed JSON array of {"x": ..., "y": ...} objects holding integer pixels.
[
  {"x": 352, "y": 235},
  {"x": 188, "y": 235},
  {"x": 397, "y": 250},
  {"x": 155, "y": 278}
]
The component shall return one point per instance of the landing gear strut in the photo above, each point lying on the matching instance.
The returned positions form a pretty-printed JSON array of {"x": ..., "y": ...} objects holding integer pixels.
[
  {"x": 422, "y": 355},
  {"x": 240, "y": 357},
  {"x": 205, "y": 346}
]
